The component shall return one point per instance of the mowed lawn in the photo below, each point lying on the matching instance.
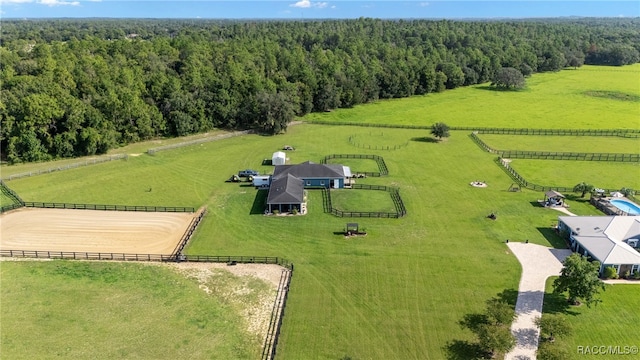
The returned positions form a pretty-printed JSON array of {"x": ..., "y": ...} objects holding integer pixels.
[
  {"x": 606, "y": 175},
  {"x": 605, "y": 324},
  {"x": 362, "y": 200},
  {"x": 112, "y": 310},
  {"x": 400, "y": 291},
  {"x": 551, "y": 143}
]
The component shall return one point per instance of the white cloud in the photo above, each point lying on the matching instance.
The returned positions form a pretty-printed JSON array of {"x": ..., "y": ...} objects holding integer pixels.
[
  {"x": 333, "y": 6},
  {"x": 309, "y": 4},
  {"x": 58, "y": 2},
  {"x": 423, "y": 4},
  {"x": 15, "y": 1},
  {"x": 302, "y": 4}
]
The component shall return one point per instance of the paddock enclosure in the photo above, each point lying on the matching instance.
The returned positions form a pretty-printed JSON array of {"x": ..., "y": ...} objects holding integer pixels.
[{"x": 92, "y": 230}]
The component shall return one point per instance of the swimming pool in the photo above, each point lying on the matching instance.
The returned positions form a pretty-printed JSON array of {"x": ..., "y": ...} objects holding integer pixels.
[{"x": 626, "y": 206}]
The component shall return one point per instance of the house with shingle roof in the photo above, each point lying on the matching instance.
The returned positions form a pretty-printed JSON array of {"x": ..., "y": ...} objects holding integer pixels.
[
  {"x": 612, "y": 240},
  {"x": 288, "y": 182}
]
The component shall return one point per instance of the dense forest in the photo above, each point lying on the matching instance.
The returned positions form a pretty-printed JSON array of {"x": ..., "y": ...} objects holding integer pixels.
[{"x": 81, "y": 87}]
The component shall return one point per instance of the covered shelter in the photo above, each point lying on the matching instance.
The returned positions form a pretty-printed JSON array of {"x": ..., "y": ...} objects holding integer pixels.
[
  {"x": 553, "y": 198},
  {"x": 278, "y": 158}
]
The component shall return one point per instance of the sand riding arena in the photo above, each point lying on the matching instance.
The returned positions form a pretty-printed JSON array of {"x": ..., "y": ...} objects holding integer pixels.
[{"x": 93, "y": 231}]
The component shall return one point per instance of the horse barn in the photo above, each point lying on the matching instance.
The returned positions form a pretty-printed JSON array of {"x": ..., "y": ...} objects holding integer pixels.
[{"x": 288, "y": 182}]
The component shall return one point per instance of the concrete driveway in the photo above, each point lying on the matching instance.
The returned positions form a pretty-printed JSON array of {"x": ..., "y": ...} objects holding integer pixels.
[{"x": 538, "y": 263}]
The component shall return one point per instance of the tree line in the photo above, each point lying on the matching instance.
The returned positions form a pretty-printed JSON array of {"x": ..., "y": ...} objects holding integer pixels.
[{"x": 81, "y": 87}]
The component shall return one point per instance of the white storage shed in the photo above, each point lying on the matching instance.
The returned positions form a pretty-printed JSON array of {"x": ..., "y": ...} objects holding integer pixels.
[{"x": 278, "y": 158}]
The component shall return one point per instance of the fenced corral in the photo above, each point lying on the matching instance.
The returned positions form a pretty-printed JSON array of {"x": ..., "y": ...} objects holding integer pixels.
[
  {"x": 353, "y": 141},
  {"x": 550, "y": 155},
  {"x": 529, "y": 185},
  {"x": 188, "y": 233},
  {"x": 87, "y": 162},
  {"x": 382, "y": 166},
  {"x": 401, "y": 210},
  {"x": 105, "y": 207},
  {"x": 198, "y": 141},
  {"x": 277, "y": 313}
]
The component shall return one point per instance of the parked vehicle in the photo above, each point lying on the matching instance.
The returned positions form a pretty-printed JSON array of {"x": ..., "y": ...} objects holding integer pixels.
[{"x": 247, "y": 173}]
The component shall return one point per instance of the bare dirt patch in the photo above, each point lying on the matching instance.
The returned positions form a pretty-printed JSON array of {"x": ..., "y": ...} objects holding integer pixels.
[
  {"x": 92, "y": 231},
  {"x": 254, "y": 304}
]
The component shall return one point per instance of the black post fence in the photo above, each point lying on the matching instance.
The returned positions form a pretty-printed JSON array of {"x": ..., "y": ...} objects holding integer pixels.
[{"x": 549, "y": 155}]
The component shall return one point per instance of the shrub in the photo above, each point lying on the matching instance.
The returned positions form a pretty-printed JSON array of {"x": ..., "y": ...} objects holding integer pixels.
[
  {"x": 549, "y": 351},
  {"x": 294, "y": 211},
  {"x": 636, "y": 275},
  {"x": 276, "y": 212},
  {"x": 610, "y": 273}
]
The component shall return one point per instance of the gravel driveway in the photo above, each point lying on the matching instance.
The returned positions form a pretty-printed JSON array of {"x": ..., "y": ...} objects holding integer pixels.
[{"x": 538, "y": 263}]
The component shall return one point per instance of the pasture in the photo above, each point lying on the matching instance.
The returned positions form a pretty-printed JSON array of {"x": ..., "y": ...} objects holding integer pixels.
[
  {"x": 109, "y": 310},
  {"x": 550, "y": 101},
  {"x": 400, "y": 291}
]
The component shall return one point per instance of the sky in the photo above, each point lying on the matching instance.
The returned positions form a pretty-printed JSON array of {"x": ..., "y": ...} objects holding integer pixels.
[{"x": 307, "y": 9}]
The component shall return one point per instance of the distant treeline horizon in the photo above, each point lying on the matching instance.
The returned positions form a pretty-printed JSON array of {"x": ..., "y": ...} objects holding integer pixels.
[{"x": 74, "y": 87}]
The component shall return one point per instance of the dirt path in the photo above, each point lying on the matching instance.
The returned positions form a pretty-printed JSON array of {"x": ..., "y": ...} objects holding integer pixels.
[
  {"x": 538, "y": 263},
  {"x": 92, "y": 231}
]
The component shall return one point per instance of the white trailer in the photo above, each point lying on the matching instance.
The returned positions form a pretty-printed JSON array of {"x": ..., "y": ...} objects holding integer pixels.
[{"x": 262, "y": 181}]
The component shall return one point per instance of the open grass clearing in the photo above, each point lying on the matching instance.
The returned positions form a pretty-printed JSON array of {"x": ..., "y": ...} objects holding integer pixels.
[
  {"x": 605, "y": 324},
  {"x": 551, "y": 100},
  {"x": 107, "y": 310},
  {"x": 607, "y": 175},
  {"x": 582, "y": 144},
  {"x": 361, "y": 200}
]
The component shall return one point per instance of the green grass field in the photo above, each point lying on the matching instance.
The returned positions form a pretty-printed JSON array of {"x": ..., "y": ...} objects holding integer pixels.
[
  {"x": 357, "y": 165},
  {"x": 91, "y": 310},
  {"x": 607, "y": 175},
  {"x": 551, "y": 101},
  {"x": 605, "y": 324},
  {"x": 400, "y": 291},
  {"x": 362, "y": 200},
  {"x": 582, "y": 144}
]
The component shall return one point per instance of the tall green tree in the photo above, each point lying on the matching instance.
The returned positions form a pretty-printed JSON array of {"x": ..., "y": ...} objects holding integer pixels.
[
  {"x": 508, "y": 78},
  {"x": 579, "y": 278},
  {"x": 440, "y": 130},
  {"x": 492, "y": 328}
]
